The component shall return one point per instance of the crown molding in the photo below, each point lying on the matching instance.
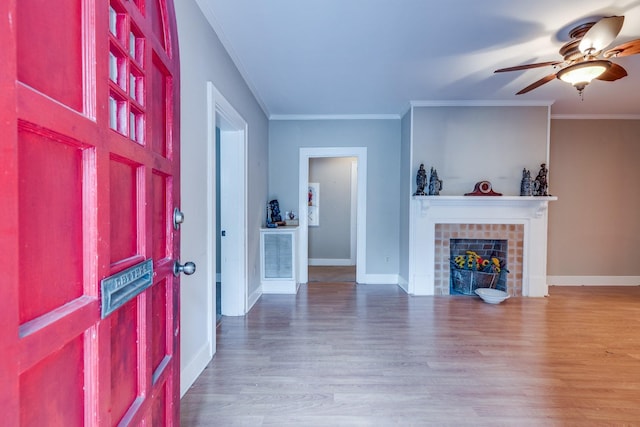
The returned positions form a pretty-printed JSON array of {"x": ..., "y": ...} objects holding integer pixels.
[
  {"x": 334, "y": 117},
  {"x": 481, "y": 103},
  {"x": 595, "y": 116}
]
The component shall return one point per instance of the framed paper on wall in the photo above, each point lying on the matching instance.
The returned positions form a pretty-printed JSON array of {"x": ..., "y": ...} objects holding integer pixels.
[{"x": 314, "y": 204}]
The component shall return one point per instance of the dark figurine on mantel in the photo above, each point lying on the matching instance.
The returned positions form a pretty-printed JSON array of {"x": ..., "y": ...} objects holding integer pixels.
[
  {"x": 540, "y": 185},
  {"x": 435, "y": 184},
  {"x": 274, "y": 206},
  {"x": 526, "y": 185},
  {"x": 421, "y": 181}
]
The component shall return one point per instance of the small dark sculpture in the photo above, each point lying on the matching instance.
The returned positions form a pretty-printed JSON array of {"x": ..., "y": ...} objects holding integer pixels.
[
  {"x": 526, "y": 185},
  {"x": 540, "y": 186},
  {"x": 274, "y": 206},
  {"x": 435, "y": 184},
  {"x": 421, "y": 181}
]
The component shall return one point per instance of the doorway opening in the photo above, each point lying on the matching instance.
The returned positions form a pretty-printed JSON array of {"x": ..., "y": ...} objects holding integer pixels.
[
  {"x": 332, "y": 274},
  {"x": 227, "y": 245},
  {"x": 360, "y": 156},
  {"x": 332, "y": 233}
]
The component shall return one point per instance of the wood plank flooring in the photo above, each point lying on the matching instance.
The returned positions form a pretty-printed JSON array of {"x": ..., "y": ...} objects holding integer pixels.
[
  {"x": 370, "y": 355},
  {"x": 331, "y": 274}
]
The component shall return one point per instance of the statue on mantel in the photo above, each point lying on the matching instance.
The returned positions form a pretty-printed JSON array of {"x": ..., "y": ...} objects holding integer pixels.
[
  {"x": 274, "y": 206},
  {"x": 435, "y": 184},
  {"x": 541, "y": 187},
  {"x": 526, "y": 185},
  {"x": 421, "y": 181}
]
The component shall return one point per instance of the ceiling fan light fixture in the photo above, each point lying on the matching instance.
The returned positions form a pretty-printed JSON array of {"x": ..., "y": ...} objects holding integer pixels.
[{"x": 582, "y": 73}]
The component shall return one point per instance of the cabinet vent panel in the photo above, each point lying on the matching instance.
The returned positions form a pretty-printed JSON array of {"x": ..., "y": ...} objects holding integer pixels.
[{"x": 278, "y": 256}]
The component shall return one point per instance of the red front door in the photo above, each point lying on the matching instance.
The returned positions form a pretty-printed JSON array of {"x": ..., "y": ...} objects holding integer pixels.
[{"x": 89, "y": 325}]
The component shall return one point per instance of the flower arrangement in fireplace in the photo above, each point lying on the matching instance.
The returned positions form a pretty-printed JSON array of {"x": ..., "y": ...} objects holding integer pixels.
[{"x": 473, "y": 261}]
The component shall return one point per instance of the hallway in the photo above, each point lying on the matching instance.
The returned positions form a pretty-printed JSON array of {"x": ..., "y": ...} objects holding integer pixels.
[
  {"x": 370, "y": 355},
  {"x": 332, "y": 274}
]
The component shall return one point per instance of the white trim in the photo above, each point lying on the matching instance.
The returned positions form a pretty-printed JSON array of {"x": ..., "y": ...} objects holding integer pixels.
[
  {"x": 190, "y": 373},
  {"x": 211, "y": 218},
  {"x": 253, "y": 298},
  {"x": 353, "y": 238},
  {"x": 280, "y": 287},
  {"x": 481, "y": 103},
  {"x": 407, "y": 284},
  {"x": 380, "y": 279},
  {"x": 403, "y": 284},
  {"x": 407, "y": 108},
  {"x": 330, "y": 262},
  {"x": 303, "y": 187},
  {"x": 595, "y": 116},
  {"x": 593, "y": 280},
  {"x": 231, "y": 123},
  {"x": 334, "y": 117}
]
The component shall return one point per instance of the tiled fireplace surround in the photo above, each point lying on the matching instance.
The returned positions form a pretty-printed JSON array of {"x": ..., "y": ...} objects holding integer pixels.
[
  {"x": 520, "y": 220},
  {"x": 513, "y": 233}
]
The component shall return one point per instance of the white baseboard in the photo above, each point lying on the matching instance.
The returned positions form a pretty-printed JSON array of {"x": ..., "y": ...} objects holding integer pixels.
[
  {"x": 403, "y": 283},
  {"x": 380, "y": 279},
  {"x": 193, "y": 369},
  {"x": 330, "y": 262},
  {"x": 593, "y": 280},
  {"x": 280, "y": 287},
  {"x": 253, "y": 298}
]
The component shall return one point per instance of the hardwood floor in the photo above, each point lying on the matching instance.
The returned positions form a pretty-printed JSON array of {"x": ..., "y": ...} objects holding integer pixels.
[
  {"x": 370, "y": 355},
  {"x": 332, "y": 274}
]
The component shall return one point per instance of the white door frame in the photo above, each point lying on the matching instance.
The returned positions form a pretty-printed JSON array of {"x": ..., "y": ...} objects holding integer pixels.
[
  {"x": 233, "y": 168},
  {"x": 360, "y": 153},
  {"x": 353, "y": 238}
]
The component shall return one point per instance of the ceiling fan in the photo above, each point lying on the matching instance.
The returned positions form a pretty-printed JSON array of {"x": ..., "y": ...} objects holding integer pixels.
[{"x": 584, "y": 57}]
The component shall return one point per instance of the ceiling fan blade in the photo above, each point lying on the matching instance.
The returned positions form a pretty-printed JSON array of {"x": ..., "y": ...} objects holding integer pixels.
[
  {"x": 537, "y": 84},
  {"x": 527, "y": 66},
  {"x": 625, "y": 49},
  {"x": 601, "y": 35},
  {"x": 614, "y": 72}
]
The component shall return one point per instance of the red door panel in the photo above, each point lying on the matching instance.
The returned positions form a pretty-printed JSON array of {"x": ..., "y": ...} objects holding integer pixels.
[
  {"x": 90, "y": 179},
  {"x": 44, "y": 202},
  {"x": 54, "y": 72}
]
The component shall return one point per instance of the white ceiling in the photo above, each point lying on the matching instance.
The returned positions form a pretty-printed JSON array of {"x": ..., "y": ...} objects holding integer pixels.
[{"x": 372, "y": 57}]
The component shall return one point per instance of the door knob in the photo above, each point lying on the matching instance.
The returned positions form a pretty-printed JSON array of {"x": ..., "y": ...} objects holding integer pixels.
[
  {"x": 187, "y": 268},
  {"x": 178, "y": 218}
]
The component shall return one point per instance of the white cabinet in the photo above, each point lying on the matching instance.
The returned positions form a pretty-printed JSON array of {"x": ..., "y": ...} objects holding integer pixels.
[{"x": 279, "y": 266}]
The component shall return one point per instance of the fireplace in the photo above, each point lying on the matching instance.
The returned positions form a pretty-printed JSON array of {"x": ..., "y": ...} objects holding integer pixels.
[
  {"x": 435, "y": 220},
  {"x": 477, "y": 263}
]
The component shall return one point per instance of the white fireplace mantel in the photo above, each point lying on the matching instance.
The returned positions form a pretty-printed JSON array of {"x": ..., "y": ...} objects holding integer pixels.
[
  {"x": 427, "y": 211},
  {"x": 536, "y": 205}
]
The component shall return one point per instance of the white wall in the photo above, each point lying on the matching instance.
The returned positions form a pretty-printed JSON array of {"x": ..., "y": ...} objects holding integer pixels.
[
  {"x": 204, "y": 59},
  {"x": 382, "y": 139},
  {"x": 467, "y": 144}
]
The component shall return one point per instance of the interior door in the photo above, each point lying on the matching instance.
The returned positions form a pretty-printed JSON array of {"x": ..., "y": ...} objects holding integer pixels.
[{"x": 90, "y": 321}]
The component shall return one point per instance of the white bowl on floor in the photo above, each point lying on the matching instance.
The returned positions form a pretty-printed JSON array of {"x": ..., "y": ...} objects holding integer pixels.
[{"x": 492, "y": 296}]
